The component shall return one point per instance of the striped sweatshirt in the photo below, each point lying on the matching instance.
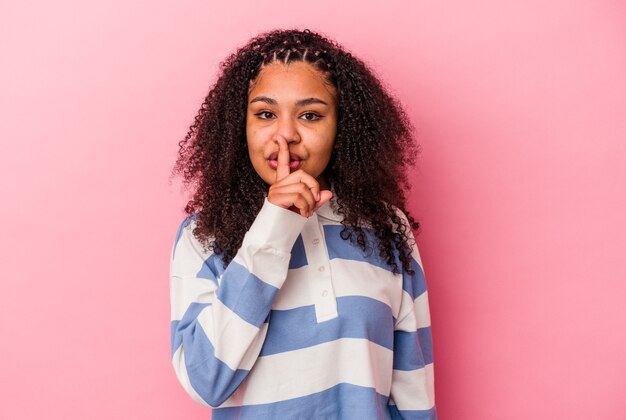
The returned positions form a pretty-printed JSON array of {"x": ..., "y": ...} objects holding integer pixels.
[{"x": 301, "y": 324}]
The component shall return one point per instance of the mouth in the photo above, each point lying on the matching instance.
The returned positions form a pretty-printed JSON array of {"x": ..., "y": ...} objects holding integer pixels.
[
  {"x": 292, "y": 156},
  {"x": 293, "y": 164},
  {"x": 295, "y": 161}
]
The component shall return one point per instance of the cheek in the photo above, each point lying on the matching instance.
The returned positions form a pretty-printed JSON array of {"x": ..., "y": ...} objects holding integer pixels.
[
  {"x": 326, "y": 143},
  {"x": 329, "y": 136},
  {"x": 252, "y": 140}
]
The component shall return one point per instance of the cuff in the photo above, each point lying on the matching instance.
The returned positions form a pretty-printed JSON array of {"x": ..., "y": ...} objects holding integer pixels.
[{"x": 276, "y": 227}]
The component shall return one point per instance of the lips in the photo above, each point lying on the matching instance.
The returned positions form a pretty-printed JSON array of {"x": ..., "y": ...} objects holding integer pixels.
[
  {"x": 295, "y": 161},
  {"x": 292, "y": 156},
  {"x": 293, "y": 165}
]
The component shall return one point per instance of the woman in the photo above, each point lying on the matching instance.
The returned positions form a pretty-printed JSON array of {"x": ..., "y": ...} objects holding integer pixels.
[{"x": 296, "y": 286}]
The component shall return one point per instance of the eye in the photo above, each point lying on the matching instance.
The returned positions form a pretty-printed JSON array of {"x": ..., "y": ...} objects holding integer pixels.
[
  {"x": 262, "y": 112},
  {"x": 312, "y": 115},
  {"x": 317, "y": 117}
]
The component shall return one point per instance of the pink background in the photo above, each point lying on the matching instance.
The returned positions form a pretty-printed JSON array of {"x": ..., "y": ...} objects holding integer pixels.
[{"x": 520, "y": 109}]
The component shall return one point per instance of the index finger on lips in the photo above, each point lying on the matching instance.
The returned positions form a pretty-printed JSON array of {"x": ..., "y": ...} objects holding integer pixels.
[{"x": 282, "y": 169}]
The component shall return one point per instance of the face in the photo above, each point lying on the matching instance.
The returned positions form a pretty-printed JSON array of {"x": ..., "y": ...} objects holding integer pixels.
[{"x": 294, "y": 101}]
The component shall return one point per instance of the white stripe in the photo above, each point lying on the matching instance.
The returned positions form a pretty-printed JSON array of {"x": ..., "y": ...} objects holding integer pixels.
[
  {"x": 178, "y": 360},
  {"x": 414, "y": 389},
  {"x": 185, "y": 291},
  {"x": 416, "y": 254},
  {"x": 299, "y": 288},
  {"x": 301, "y": 372},
  {"x": 295, "y": 292},
  {"x": 268, "y": 264},
  {"x": 367, "y": 280},
  {"x": 420, "y": 316},
  {"x": 422, "y": 311},
  {"x": 238, "y": 342}
]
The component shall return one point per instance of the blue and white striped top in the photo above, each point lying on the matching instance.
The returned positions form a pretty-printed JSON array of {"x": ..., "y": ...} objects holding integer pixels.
[{"x": 300, "y": 325}]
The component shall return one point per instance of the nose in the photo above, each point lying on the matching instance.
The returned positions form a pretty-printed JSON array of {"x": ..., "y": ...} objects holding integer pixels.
[{"x": 289, "y": 130}]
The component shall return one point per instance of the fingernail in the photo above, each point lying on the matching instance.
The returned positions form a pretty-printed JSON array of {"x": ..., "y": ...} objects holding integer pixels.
[{"x": 318, "y": 196}]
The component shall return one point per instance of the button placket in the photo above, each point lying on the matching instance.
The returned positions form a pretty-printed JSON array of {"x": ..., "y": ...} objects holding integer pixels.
[{"x": 317, "y": 258}]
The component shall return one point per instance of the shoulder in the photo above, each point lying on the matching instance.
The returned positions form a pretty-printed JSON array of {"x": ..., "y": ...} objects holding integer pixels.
[
  {"x": 411, "y": 241},
  {"x": 191, "y": 257},
  {"x": 185, "y": 240},
  {"x": 186, "y": 226},
  {"x": 403, "y": 218}
]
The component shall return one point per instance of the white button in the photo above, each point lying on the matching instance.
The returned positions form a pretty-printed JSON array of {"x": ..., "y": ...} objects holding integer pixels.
[
  {"x": 322, "y": 268},
  {"x": 316, "y": 241},
  {"x": 325, "y": 292}
]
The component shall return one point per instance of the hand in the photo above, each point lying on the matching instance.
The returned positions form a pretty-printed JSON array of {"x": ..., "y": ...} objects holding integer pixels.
[{"x": 297, "y": 191}]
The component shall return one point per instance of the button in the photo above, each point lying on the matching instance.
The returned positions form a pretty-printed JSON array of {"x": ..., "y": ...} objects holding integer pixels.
[
  {"x": 316, "y": 241},
  {"x": 325, "y": 292},
  {"x": 322, "y": 268}
]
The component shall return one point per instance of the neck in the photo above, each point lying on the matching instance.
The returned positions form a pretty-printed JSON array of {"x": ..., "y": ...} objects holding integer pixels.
[{"x": 323, "y": 184}]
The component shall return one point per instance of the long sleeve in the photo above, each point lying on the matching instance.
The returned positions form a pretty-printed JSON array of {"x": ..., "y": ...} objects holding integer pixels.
[
  {"x": 412, "y": 387},
  {"x": 219, "y": 317}
]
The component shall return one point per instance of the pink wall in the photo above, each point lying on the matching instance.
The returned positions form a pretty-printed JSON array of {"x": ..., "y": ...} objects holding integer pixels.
[{"x": 521, "y": 189}]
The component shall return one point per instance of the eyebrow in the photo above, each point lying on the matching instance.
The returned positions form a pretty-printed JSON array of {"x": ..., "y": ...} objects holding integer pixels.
[{"x": 301, "y": 102}]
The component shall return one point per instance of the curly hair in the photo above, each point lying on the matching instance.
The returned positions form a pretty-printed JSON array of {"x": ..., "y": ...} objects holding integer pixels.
[{"x": 366, "y": 170}]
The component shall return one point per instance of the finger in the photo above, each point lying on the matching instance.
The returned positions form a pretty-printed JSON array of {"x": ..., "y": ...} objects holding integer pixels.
[
  {"x": 293, "y": 202},
  {"x": 325, "y": 195},
  {"x": 308, "y": 180},
  {"x": 297, "y": 188},
  {"x": 282, "y": 170},
  {"x": 302, "y": 204}
]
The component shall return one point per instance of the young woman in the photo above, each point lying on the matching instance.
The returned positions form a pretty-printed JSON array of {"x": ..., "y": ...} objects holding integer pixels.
[{"x": 297, "y": 289}]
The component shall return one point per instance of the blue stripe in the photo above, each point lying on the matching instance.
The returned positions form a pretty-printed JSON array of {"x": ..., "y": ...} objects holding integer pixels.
[
  {"x": 211, "y": 378},
  {"x": 175, "y": 339},
  {"x": 413, "y": 414},
  {"x": 359, "y": 317},
  {"x": 413, "y": 349},
  {"x": 182, "y": 226},
  {"x": 345, "y": 249},
  {"x": 343, "y": 401},
  {"x": 245, "y": 294},
  {"x": 209, "y": 268},
  {"x": 298, "y": 254},
  {"x": 414, "y": 285},
  {"x": 179, "y": 326}
]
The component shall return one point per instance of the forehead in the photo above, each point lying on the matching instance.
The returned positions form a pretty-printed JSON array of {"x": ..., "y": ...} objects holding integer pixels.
[{"x": 293, "y": 79}]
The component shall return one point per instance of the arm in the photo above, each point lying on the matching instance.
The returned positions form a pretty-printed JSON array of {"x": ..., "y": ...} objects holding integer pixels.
[
  {"x": 218, "y": 322},
  {"x": 412, "y": 387}
]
